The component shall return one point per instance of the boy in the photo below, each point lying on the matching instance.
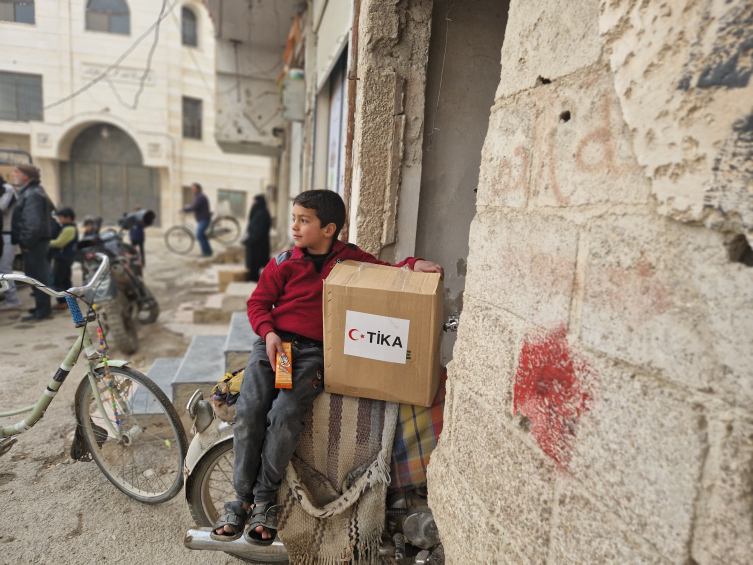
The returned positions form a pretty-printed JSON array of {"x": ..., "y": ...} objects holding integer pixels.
[
  {"x": 62, "y": 252},
  {"x": 286, "y": 306}
]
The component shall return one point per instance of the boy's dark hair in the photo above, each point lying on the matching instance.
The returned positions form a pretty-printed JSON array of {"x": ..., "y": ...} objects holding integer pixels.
[
  {"x": 67, "y": 212},
  {"x": 329, "y": 207}
]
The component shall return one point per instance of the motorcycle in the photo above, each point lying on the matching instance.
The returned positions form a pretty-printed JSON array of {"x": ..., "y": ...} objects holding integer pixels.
[
  {"x": 410, "y": 533},
  {"x": 122, "y": 297}
]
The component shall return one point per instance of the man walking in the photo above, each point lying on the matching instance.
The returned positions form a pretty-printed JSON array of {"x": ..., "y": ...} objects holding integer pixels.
[
  {"x": 201, "y": 212},
  {"x": 31, "y": 230},
  {"x": 7, "y": 204}
]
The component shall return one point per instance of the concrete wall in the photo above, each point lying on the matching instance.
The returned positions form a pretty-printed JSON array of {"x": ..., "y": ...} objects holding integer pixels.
[
  {"x": 461, "y": 79},
  {"x": 600, "y": 405},
  {"x": 69, "y": 57}
]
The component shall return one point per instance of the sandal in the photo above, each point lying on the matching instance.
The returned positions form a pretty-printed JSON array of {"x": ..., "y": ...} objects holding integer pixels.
[
  {"x": 266, "y": 516},
  {"x": 235, "y": 516}
]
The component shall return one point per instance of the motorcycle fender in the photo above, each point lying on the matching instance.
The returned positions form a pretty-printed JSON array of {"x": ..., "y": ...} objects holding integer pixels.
[{"x": 217, "y": 432}]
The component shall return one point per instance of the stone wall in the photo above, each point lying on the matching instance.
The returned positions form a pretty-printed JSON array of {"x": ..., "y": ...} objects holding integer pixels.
[{"x": 600, "y": 401}]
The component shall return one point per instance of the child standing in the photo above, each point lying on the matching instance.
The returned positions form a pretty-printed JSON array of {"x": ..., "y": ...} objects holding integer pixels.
[
  {"x": 62, "y": 252},
  {"x": 286, "y": 306}
]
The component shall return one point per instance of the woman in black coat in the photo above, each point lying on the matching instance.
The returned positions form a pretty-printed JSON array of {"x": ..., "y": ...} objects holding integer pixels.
[{"x": 257, "y": 241}]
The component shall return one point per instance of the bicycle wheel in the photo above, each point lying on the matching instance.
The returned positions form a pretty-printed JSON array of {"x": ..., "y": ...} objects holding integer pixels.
[
  {"x": 210, "y": 485},
  {"x": 226, "y": 229},
  {"x": 179, "y": 240},
  {"x": 146, "y": 462}
]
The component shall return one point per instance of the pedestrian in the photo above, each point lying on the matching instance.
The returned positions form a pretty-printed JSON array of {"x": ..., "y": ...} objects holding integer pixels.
[
  {"x": 257, "y": 238},
  {"x": 203, "y": 214},
  {"x": 137, "y": 236},
  {"x": 30, "y": 230},
  {"x": 8, "y": 199},
  {"x": 63, "y": 251}
]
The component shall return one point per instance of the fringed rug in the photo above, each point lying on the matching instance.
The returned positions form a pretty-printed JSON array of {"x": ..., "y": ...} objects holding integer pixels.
[{"x": 333, "y": 501}]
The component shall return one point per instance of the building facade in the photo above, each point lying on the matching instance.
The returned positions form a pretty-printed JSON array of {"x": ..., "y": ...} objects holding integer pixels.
[{"x": 116, "y": 102}]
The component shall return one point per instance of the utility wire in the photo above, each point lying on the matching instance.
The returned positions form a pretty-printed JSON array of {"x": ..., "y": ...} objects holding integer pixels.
[
  {"x": 149, "y": 57},
  {"x": 120, "y": 59}
]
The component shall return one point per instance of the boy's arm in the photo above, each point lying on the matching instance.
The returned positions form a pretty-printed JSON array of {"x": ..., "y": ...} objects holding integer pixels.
[
  {"x": 263, "y": 299},
  {"x": 67, "y": 235},
  {"x": 415, "y": 264}
]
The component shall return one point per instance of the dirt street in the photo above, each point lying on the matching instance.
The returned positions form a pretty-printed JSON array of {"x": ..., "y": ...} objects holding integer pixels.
[{"x": 58, "y": 511}]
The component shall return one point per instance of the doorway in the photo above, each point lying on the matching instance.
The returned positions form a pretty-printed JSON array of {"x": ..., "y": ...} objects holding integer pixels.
[
  {"x": 105, "y": 175},
  {"x": 461, "y": 80}
]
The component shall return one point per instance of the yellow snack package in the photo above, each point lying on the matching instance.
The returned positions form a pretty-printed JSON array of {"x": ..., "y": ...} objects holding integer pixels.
[{"x": 284, "y": 372}]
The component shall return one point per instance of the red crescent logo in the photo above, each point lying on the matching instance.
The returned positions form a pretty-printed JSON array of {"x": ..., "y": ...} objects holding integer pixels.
[{"x": 350, "y": 334}]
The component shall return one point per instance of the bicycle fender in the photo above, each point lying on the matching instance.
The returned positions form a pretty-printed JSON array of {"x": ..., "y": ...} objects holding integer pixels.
[
  {"x": 217, "y": 432},
  {"x": 113, "y": 363}
]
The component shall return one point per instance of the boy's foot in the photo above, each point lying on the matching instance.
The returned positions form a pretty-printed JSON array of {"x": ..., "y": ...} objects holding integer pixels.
[
  {"x": 230, "y": 525},
  {"x": 263, "y": 527}
]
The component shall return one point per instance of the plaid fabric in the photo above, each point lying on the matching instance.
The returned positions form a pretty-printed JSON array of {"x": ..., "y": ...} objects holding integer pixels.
[{"x": 416, "y": 436}]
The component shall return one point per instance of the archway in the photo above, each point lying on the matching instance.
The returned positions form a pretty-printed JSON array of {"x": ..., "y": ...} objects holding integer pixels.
[{"x": 105, "y": 175}]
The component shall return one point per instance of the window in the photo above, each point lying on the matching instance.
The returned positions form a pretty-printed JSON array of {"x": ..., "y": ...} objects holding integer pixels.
[
  {"x": 236, "y": 199},
  {"x": 21, "y": 11},
  {"x": 191, "y": 118},
  {"x": 188, "y": 27},
  {"x": 111, "y": 16},
  {"x": 20, "y": 97},
  {"x": 187, "y": 196}
]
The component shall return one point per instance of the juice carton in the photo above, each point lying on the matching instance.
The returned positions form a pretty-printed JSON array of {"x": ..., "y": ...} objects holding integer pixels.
[{"x": 284, "y": 372}]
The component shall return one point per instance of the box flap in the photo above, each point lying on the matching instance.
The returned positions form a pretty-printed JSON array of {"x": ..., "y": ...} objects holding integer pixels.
[{"x": 354, "y": 274}]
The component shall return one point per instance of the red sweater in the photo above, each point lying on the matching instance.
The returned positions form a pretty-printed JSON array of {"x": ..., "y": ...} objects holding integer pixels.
[{"x": 291, "y": 285}]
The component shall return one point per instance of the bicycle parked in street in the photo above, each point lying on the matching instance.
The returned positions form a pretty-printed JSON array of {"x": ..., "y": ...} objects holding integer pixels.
[
  {"x": 125, "y": 423},
  {"x": 181, "y": 239}
]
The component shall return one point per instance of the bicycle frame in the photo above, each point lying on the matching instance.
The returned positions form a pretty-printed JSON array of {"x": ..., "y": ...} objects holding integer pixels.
[{"x": 83, "y": 343}]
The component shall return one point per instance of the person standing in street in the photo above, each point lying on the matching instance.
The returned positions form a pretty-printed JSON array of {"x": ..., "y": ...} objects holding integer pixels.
[
  {"x": 8, "y": 199},
  {"x": 257, "y": 238},
  {"x": 63, "y": 251},
  {"x": 30, "y": 230},
  {"x": 203, "y": 215}
]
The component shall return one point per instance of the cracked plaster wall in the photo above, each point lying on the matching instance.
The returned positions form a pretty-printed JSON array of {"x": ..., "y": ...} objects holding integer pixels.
[{"x": 600, "y": 402}]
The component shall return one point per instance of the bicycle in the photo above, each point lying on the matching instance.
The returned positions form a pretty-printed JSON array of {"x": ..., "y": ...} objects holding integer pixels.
[
  {"x": 125, "y": 423},
  {"x": 181, "y": 239}
]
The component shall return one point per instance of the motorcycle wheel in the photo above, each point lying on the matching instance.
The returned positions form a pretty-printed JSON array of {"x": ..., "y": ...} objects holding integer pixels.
[
  {"x": 209, "y": 486},
  {"x": 119, "y": 326},
  {"x": 149, "y": 312}
]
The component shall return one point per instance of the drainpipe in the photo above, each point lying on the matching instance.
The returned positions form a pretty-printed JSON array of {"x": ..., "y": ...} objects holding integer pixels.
[{"x": 355, "y": 8}]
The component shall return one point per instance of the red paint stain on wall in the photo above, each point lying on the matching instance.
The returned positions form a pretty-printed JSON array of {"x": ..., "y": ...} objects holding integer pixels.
[{"x": 550, "y": 392}]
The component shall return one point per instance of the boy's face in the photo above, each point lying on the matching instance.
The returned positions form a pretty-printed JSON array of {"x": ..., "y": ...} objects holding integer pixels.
[
  {"x": 65, "y": 220},
  {"x": 307, "y": 229}
]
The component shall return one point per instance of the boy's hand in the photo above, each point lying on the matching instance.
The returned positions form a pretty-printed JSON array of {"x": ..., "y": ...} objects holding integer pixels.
[
  {"x": 422, "y": 266},
  {"x": 274, "y": 344}
]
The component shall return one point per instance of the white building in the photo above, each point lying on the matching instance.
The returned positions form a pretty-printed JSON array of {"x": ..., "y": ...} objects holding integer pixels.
[{"x": 115, "y": 116}]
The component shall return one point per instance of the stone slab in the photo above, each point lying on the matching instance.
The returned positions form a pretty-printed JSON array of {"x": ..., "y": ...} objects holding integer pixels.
[
  {"x": 162, "y": 372},
  {"x": 240, "y": 340},
  {"x": 236, "y": 296},
  {"x": 525, "y": 265},
  {"x": 203, "y": 364}
]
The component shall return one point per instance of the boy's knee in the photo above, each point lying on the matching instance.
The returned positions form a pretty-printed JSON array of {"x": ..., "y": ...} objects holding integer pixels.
[{"x": 288, "y": 417}]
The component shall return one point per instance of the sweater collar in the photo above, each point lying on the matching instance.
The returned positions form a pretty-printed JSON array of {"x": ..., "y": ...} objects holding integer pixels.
[{"x": 336, "y": 248}]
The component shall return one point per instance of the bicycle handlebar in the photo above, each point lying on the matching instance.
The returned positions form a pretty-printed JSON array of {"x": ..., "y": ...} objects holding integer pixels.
[{"x": 77, "y": 291}]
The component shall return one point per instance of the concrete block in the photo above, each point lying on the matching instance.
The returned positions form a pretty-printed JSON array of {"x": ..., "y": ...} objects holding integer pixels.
[
  {"x": 236, "y": 296},
  {"x": 664, "y": 295},
  {"x": 547, "y": 39},
  {"x": 485, "y": 354},
  {"x": 161, "y": 373},
  {"x": 495, "y": 459},
  {"x": 212, "y": 312},
  {"x": 724, "y": 529},
  {"x": 585, "y": 533},
  {"x": 240, "y": 340},
  {"x": 229, "y": 274},
  {"x": 507, "y": 154},
  {"x": 639, "y": 453},
  {"x": 583, "y": 153},
  {"x": 524, "y": 265},
  {"x": 203, "y": 364}
]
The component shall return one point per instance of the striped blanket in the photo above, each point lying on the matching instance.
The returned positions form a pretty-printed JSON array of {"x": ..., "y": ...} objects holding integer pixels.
[
  {"x": 333, "y": 499},
  {"x": 416, "y": 436}
]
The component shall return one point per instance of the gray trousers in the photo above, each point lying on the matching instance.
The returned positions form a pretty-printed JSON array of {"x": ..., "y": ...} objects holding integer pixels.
[
  {"x": 6, "y": 268},
  {"x": 269, "y": 421}
]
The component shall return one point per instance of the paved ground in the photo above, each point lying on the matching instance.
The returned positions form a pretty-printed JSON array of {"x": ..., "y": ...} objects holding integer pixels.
[{"x": 58, "y": 511}]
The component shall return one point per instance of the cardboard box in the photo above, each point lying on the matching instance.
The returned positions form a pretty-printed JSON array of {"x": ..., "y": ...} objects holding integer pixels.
[
  {"x": 227, "y": 275},
  {"x": 382, "y": 332}
]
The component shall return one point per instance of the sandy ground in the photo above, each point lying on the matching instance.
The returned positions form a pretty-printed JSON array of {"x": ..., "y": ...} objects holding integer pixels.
[{"x": 58, "y": 511}]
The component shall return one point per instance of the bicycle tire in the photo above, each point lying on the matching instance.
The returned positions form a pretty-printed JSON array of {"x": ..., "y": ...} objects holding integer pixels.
[
  {"x": 119, "y": 327},
  {"x": 176, "y": 238},
  {"x": 93, "y": 435},
  {"x": 227, "y": 233},
  {"x": 196, "y": 496}
]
